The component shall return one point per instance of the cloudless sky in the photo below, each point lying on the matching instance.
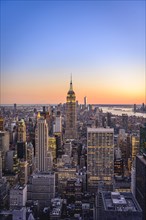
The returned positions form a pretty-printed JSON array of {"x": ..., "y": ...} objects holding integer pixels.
[{"x": 101, "y": 42}]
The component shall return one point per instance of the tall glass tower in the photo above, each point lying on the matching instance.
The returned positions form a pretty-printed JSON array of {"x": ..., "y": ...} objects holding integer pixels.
[{"x": 71, "y": 117}]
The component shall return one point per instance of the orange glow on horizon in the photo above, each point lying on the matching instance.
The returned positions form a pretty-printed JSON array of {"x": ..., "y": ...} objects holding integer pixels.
[
  {"x": 53, "y": 90},
  {"x": 51, "y": 97}
]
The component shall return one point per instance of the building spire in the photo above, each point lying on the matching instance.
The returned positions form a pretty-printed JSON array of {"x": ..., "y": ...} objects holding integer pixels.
[{"x": 71, "y": 86}]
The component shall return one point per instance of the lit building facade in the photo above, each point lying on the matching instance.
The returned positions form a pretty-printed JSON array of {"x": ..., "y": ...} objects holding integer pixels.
[
  {"x": 23, "y": 172},
  {"x": 21, "y": 131},
  {"x": 21, "y": 141},
  {"x": 100, "y": 157},
  {"x": 1, "y": 123},
  {"x": 71, "y": 117},
  {"x": 41, "y": 146},
  {"x": 30, "y": 158},
  {"x": 52, "y": 146},
  {"x": 135, "y": 146},
  {"x": 118, "y": 164}
]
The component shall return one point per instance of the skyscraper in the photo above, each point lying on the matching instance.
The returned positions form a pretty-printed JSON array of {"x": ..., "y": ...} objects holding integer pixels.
[
  {"x": 4, "y": 146},
  {"x": 85, "y": 101},
  {"x": 125, "y": 121},
  {"x": 71, "y": 118},
  {"x": 109, "y": 123},
  {"x": 1, "y": 123},
  {"x": 58, "y": 123},
  {"x": 143, "y": 139},
  {"x": 134, "y": 146},
  {"x": 15, "y": 108},
  {"x": 21, "y": 131},
  {"x": 100, "y": 157},
  {"x": 0, "y": 166},
  {"x": 41, "y": 139},
  {"x": 21, "y": 142},
  {"x": 141, "y": 182}
]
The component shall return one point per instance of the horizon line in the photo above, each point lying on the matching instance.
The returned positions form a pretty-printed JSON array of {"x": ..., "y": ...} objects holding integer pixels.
[{"x": 65, "y": 103}]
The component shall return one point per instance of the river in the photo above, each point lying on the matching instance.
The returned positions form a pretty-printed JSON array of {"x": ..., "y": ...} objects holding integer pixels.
[{"x": 120, "y": 111}]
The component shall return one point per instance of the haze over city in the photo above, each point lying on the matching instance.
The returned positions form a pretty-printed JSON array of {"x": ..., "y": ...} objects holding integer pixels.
[{"x": 102, "y": 43}]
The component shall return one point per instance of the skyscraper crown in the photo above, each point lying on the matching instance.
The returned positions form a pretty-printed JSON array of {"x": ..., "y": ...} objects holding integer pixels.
[{"x": 71, "y": 92}]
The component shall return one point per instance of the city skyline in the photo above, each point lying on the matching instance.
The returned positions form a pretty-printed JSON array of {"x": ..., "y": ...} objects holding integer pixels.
[{"x": 101, "y": 43}]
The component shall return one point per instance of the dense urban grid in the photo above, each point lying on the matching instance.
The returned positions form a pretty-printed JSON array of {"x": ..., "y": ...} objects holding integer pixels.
[{"x": 72, "y": 161}]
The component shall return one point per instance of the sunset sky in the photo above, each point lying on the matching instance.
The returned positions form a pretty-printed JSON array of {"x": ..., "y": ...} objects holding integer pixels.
[{"x": 102, "y": 43}]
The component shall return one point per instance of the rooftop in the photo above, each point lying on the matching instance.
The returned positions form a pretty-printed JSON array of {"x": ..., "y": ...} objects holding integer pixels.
[
  {"x": 100, "y": 130},
  {"x": 43, "y": 174},
  {"x": 19, "y": 187},
  {"x": 56, "y": 206},
  {"x": 115, "y": 201}
]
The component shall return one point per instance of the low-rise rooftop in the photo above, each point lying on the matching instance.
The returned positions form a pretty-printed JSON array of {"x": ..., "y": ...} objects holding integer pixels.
[{"x": 115, "y": 201}]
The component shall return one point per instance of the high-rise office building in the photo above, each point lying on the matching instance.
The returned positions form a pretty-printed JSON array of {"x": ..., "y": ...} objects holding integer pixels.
[
  {"x": 118, "y": 164},
  {"x": 44, "y": 109},
  {"x": 4, "y": 146},
  {"x": 23, "y": 172},
  {"x": 124, "y": 142},
  {"x": 41, "y": 146},
  {"x": 59, "y": 149},
  {"x": 30, "y": 158},
  {"x": 109, "y": 123},
  {"x": 15, "y": 108},
  {"x": 142, "y": 107},
  {"x": 4, "y": 192},
  {"x": 41, "y": 187},
  {"x": 134, "y": 108},
  {"x": 57, "y": 125},
  {"x": 141, "y": 183},
  {"x": 21, "y": 131},
  {"x": 9, "y": 162},
  {"x": 22, "y": 150},
  {"x": 100, "y": 157},
  {"x": 71, "y": 117},
  {"x": 125, "y": 121},
  {"x": 143, "y": 139},
  {"x": 85, "y": 101},
  {"x": 0, "y": 166},
  {"x": 134, "y": 146},
  {"x": 52, "y": 146},
  {"x": 1, "y": 123}
]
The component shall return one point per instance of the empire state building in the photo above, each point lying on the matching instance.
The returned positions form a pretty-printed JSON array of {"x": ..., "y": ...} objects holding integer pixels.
[{"x": 71, "y": 117}]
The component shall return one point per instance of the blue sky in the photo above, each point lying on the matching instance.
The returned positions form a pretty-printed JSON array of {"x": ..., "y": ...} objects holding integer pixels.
[{"x": 95, "y": 40}]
